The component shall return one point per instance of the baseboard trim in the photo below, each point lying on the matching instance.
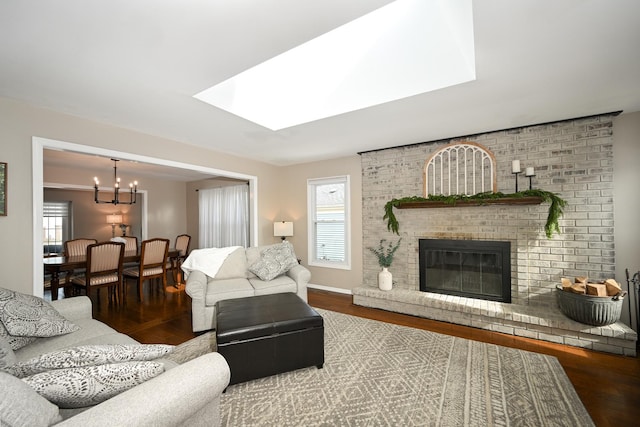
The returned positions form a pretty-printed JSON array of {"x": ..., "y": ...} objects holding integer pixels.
[{"x": 330, "y": 289}]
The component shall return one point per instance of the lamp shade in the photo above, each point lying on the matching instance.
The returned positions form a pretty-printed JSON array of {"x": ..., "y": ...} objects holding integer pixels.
[
  {"x": 283, "y": 228},
  {"x": 114, "y": 219}
]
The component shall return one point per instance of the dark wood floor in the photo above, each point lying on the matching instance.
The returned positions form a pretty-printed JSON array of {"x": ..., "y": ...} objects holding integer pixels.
[{"x": 608, "y": 385}]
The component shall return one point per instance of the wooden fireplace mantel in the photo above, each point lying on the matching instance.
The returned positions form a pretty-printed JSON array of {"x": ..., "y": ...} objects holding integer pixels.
[{"x": 478, "y": 202}]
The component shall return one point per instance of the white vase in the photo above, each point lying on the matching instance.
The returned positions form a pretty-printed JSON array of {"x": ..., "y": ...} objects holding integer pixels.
[{"x": 385, "y": 279}]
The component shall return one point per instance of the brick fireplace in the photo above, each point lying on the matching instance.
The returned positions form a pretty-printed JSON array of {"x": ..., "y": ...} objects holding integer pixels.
[{"x": 572, "y": 158}]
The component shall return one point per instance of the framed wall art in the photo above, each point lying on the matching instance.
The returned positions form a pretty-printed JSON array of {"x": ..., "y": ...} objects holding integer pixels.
[{"x": 3, "y": 189}]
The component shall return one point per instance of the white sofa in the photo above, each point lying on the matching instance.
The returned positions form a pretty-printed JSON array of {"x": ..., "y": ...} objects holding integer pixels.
[
  {"x": 183, "y": 395},
  {"x": 234, "y": 280}
]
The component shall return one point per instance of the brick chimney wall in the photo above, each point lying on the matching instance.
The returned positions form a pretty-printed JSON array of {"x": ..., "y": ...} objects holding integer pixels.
[{"x": 572, "y": 158}]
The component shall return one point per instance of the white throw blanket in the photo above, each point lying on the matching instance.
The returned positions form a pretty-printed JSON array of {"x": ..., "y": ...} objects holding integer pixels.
[{"x": 207, "y": 260}]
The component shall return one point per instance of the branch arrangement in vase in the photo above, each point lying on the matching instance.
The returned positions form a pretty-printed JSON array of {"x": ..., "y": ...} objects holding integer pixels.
[{"x": 385, "y": 252}]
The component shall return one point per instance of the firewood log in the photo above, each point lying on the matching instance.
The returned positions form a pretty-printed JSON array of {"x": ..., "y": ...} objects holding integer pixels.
[
  {"x": 613, "y": 287},
  {"x": 596, "y": 289},
  {"x": 578, "y": 288}
]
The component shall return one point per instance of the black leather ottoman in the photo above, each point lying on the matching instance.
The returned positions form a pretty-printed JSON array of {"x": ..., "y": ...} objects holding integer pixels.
[{"x": 268, "y": 334}]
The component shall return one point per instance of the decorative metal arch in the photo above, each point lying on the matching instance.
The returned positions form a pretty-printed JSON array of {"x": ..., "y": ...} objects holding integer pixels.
[{"x": 460, "y": 168}]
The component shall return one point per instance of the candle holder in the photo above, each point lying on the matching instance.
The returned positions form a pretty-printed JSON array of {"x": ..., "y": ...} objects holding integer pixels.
[
  {"x": 516, "y": 175},
  {"x": 530, "y": 181}
]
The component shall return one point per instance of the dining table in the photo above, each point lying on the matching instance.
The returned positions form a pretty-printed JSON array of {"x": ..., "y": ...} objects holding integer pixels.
[{"x": 54, "y": 265}]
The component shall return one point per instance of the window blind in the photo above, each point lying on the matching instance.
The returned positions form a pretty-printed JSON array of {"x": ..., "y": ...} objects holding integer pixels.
[{"x": 56, "y": 209}]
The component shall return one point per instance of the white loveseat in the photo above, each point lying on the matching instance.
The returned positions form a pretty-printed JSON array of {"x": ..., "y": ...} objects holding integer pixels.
[
  {"x": 235, "y": 280},
  {"x": 183, "y": 395}
]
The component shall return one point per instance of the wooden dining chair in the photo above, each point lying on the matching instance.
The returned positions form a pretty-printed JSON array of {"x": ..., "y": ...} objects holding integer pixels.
[
  {"x": 104, "y": 269},
  {"x": 130, "y": 246},
  {"x": 152, "y": 265},
  {"x": 131, "y": 243},
  {"x": 182, "y": 246},
  {"x": 76, "y": 247}
]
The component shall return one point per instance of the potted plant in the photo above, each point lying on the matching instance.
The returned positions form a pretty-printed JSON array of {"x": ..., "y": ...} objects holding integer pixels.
[{"x": 385, "y": 252}]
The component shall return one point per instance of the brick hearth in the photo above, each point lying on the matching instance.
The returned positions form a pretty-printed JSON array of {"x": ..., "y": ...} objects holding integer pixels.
[{"x": 547, "y": 324}]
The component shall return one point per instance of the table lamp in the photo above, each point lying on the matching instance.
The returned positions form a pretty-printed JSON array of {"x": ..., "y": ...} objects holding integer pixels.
[{"x": 283, "y": 229}]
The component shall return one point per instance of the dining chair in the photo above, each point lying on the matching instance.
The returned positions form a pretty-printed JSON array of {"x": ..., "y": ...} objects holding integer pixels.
[
  {"x": 131, "y": 243},
  {"x": 130, "y": 246},
  {"x": 76, "y": 247},
  {"x": 104, "y": 269},
  {"x": 152, "y": 265},
  {"x": 182, "y": 246}
]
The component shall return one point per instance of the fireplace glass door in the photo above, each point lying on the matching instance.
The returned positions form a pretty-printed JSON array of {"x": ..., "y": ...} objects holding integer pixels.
[{"x": 470, "y": 268}]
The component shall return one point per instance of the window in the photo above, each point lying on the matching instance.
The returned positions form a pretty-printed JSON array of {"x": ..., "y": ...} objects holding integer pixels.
[
  {"x": 55, "y": 226},
  {"x": 328, "y": 206}
]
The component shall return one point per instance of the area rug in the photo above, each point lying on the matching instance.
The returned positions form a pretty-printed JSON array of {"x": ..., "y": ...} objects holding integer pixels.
[{"x": 379, "y": 374}]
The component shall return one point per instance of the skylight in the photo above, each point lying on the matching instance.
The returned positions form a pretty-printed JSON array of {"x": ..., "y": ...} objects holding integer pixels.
[{"x": 405, "y": 48}]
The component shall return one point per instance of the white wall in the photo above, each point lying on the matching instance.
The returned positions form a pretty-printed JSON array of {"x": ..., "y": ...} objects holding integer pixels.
[{"x": 626, "y": 197}]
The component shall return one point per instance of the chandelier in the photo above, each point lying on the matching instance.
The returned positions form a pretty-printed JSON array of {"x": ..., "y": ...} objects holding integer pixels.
[{"x": 133, "y": 189}]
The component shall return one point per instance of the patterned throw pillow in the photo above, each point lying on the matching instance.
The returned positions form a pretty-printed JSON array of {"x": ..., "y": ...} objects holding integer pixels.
[
  {"x": 15, "y": 342},
  {"x": 274, "y": 261},
  {"x": 90, "y": 385},
  {"x": 89, "y": 355},
  {"x": 28, "y": 316},
  {"x": 7, "y": 356}
]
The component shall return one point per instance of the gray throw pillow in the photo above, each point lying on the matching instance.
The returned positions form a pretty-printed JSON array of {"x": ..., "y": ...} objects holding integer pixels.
[
  {"x": 274, "y": 261},
  {"x": 29, "y": 316},
  {"x": 90, "y": 385},
  {"x": 7, "y": 356},
  {"x": 15, "y": 342},
  {"x": 22, "y": 406},
  {"x": 89, "y": 355}
]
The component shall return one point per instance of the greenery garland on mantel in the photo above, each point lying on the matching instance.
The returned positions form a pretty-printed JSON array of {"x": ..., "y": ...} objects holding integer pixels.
[{"x": 556, "y": 204}]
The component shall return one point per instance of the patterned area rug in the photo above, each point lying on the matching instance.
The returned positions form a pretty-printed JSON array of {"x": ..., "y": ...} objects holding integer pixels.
[{"x": 379, "y": 374}]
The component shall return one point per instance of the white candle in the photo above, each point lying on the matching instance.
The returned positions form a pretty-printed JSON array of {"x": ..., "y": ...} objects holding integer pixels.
[
  {"x": 515, "y": 166},
  {"x": 529, "y": 171}
]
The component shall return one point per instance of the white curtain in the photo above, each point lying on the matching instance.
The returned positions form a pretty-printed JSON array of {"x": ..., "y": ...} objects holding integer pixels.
[{"x": 224, "y": 216}]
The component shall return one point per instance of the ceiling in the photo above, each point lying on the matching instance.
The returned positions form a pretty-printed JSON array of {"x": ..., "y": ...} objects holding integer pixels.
[{"x": 138, "y": 64}]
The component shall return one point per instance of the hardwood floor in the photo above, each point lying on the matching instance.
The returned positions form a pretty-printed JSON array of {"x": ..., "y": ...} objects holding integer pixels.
[{"x": 608, "y": 385}]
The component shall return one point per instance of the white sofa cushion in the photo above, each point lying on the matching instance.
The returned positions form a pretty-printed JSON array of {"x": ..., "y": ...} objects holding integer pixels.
[
  {"x": 234, "y": 266},
  {"x": 218, "y": 290},
  {"x": 280, "y": 284},
  {"x": 22, "y": 406},
  {"x": 90, "y": 385}
]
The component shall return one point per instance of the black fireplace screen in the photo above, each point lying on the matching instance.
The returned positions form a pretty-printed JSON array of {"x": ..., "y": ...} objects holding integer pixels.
[{"x": 468, "y": 268}]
